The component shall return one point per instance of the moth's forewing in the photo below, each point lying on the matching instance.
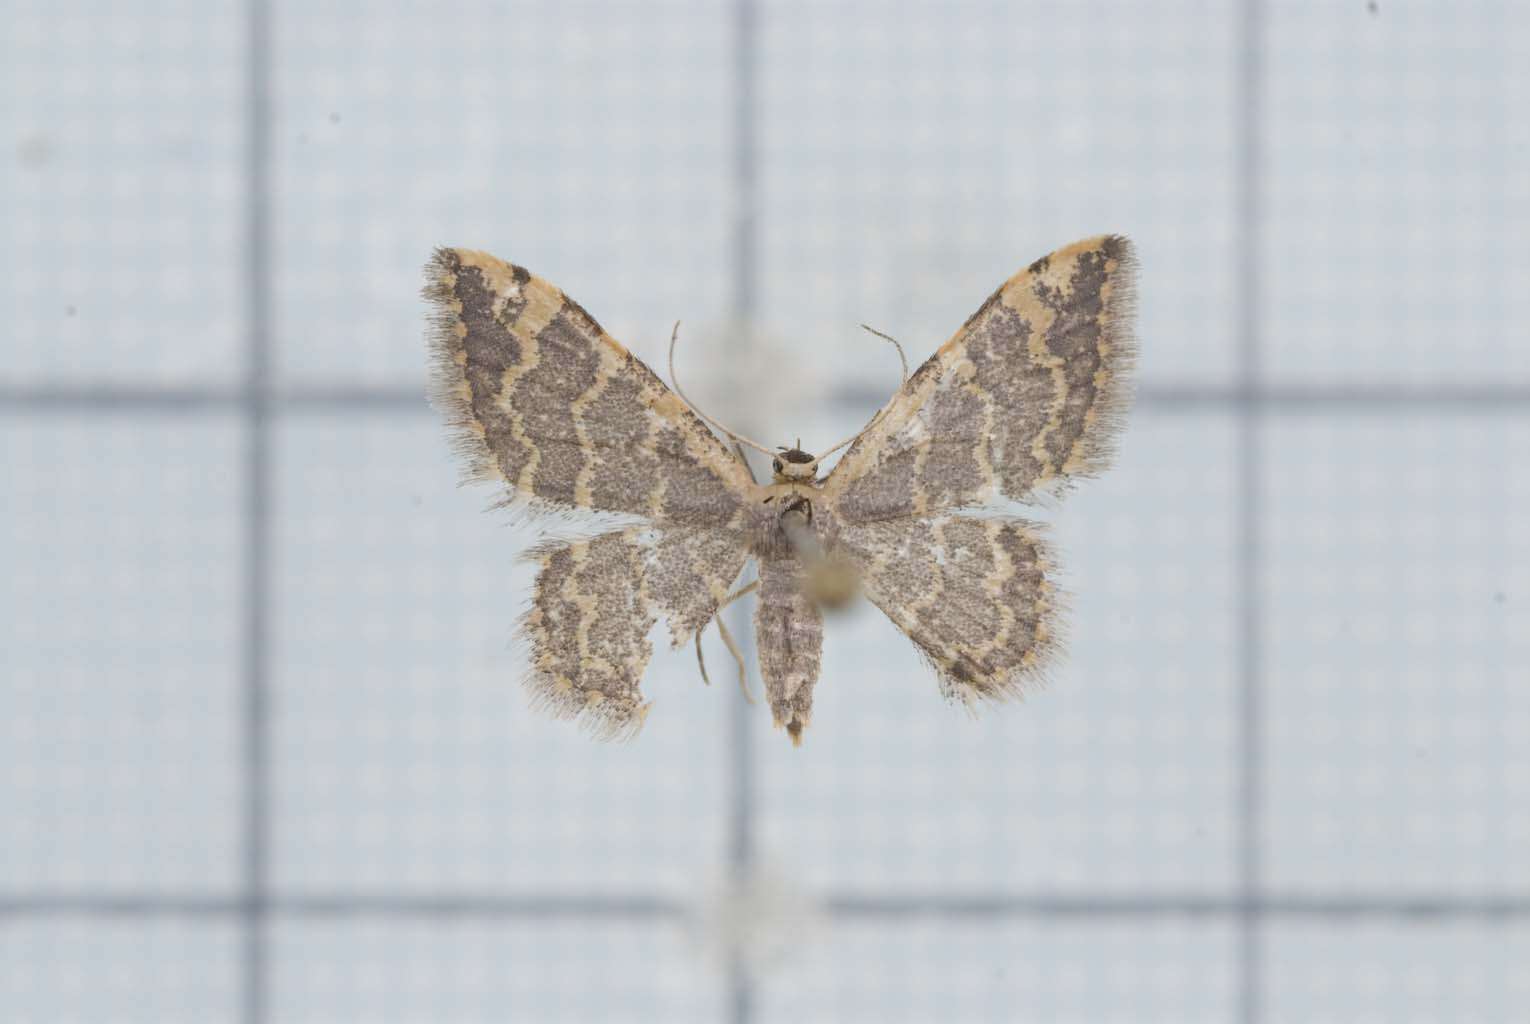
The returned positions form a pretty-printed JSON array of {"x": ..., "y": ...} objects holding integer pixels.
[
  {"x": 541, "y": 398},
  {"x": 1028, "y": 394}
]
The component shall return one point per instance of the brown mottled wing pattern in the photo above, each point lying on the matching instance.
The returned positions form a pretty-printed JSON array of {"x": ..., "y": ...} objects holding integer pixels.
[
  {"x": 594, "y": 603},
  {"x": 588, "y": 631},
  {"x": 1029, "y": 392},
  {"x": 543, "y": 399},
  {"x": 690, "y": 572},
  {"x": 971, "y": 593}
]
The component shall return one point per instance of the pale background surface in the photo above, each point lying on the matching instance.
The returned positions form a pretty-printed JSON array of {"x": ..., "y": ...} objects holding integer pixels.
[{"x": 263, "y": 754}]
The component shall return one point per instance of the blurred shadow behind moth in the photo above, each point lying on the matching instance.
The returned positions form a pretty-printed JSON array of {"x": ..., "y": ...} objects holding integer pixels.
[{"x": 1028, "y": 395}]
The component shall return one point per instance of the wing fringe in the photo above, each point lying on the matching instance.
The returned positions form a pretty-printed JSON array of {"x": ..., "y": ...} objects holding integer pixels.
[
  {"x": 1096, "y": 448},
  {"x": 446, "y": 388}
]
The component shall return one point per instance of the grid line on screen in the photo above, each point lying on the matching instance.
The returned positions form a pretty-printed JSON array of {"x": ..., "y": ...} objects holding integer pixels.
[
  {"x": 1411, "y": 906},
  {"x": 254, "y": 981},
  {"x": 1250, "y": 789},
  {"x": 1267, "y": 399},
  {"x": 740, "y": 770}
]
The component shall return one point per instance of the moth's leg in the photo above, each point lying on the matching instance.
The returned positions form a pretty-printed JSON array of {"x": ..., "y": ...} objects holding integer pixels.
[
  {"x": 701, "y": 661},
  {"x": 740, "y": 592},
  {"x": 743, "y": 677}
]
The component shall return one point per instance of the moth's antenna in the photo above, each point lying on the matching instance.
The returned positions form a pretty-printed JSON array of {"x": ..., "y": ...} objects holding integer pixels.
[
  {"x": 674, "y": 336},
  {"x": 903, "y": 360},
  {"x": 857, "y": 435},
  {"x": 901, "y": 357}
]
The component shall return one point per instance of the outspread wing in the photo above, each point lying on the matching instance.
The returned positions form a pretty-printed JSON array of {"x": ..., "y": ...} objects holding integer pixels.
[
  {"x": 1030, "y": 391},
  {"x": 594, "y": 603},
  {"x": 543, "y": 399},
  {"x": 588, "y": 631},
  {"x": 971, "y": 593}
]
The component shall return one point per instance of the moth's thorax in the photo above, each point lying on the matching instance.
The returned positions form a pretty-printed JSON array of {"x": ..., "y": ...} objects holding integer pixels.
[
  {"x": 786, "y": 491},
  {"x": 784, "y": 509},
  {"x": 798, "y": 528},
  {"x": 794, "y": 465}
]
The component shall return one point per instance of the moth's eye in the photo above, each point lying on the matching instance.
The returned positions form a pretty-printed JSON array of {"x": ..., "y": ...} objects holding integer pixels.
[{"x": 776, "y": 465}]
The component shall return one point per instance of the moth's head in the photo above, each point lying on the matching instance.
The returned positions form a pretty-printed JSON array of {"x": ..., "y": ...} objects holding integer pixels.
[{"x": 793, "y": 465}]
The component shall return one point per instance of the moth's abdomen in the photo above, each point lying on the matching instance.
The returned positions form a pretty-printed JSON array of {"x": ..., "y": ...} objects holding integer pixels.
[{"x": 789, "y": 636}]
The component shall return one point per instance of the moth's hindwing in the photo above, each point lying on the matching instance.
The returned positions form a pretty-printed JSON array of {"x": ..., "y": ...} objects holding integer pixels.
[
  {"x": 971, "y": 593},
  {"x": 594, "y": 602},
  {"x": 1031, "y": 391},
  {"x": 587, "y": 630}
]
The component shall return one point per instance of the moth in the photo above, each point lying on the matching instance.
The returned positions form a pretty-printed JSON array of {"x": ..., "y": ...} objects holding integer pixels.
[{"x": 1027, "y": 396}]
